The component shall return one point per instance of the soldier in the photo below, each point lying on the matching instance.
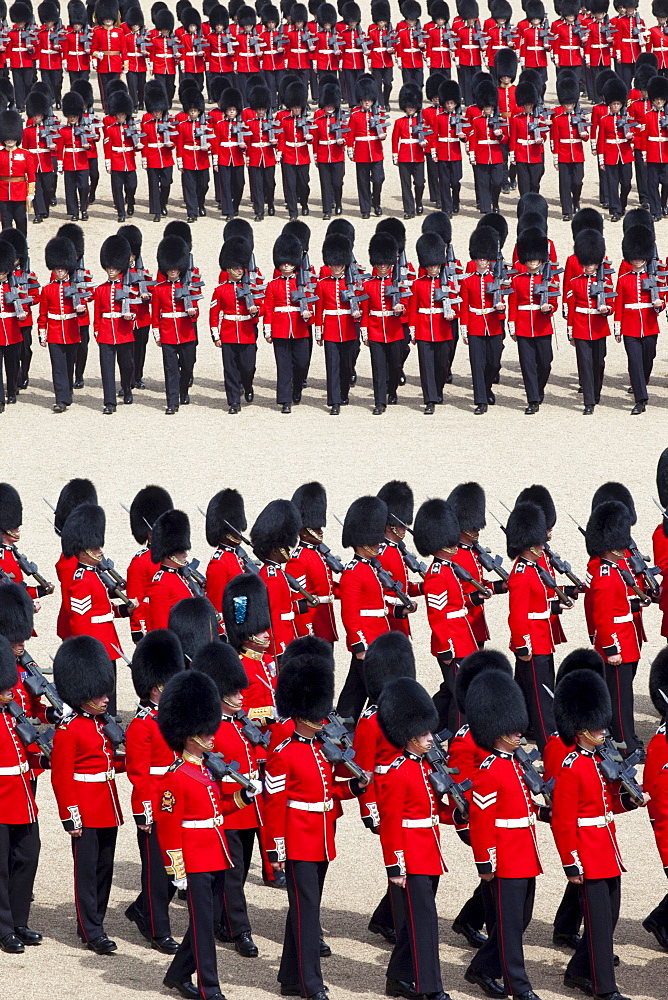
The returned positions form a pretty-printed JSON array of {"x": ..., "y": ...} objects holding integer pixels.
[
  {"x": 157, "y": 658},
  {"x": 17, "y": 166},
  {"x": 382, "y": 326},
  {"x": 329, "y": 149},
  {"x": 584, "y": 831},
  {"x": 194, "y": 622},
  {"x": 527, "y": 147},
  {"x": 365, "y": 146},
  {"x": 170, "y": 544},
  {"x": 11, "y": 338},
  {"x": 114, "y": 322},
  {"x": 293, "y": 146},
  {"x": 21, "y": 51},
  {"x": 225, "y": 517},
  {"x": 83, "y": 278},
  {"x": 11, "y": 519},
  {"x": 58, "y": 320},
  {"x": 502, "y": 824},
  {"x": 364, "y": 611},
  {"x": 73, "y": 146},
  {"x": 446, "y": 145},
  {"x": 248, "y": 630},
  {"x": 174, "y": 313},
  {"x": 193, "y": 154},
  {"x": 428, "y": 321},
  {"x": 588, "y": 324},
  {"x": 107, "y": 46},
  {"x": 300, "y": 818},
  {"x": 486, "y": 144},
  {"x": 381, "y": 56},
  {"x": 221, "y": 663},
  {"x": 614, "y": 148},
  {"x": 39, "y": 142},
  {"x": 392, "y": 555},
  {"x": 157, "y": 149},
  {"x": 310, "y": 565},
  {"x": 19, "y": 831},
  {"x": 337, "y": 320},
  {"x": 16, "y": 625},
  {"x": 91, "y": 610},
  {"x": 481, "y": 318},
  {"x": 261, "y": 151},
  {"x": 287, "y": 323},
  {"x": 141, "y": 310},
  {"x": 567, "y": 141},
  {"x": 164, "y": 52},
  {"x": 83, "y": 776},
  {"x": 408, "y": 150},
  {"x": 231, "y": 150},
  {"x": 134, "y": 59},
  {"x": 73, "y": 493},
  {"x": 352, "y": 38},
  {"x": 233, "y": 322},
  {"x": 190, "y": 825},
  {"x": 654, "y": 776},
  {"x": 119, "y": 154},
  {"x": 147, "y": 506}
]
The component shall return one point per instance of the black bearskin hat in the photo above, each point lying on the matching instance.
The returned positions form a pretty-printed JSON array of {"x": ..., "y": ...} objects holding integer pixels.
[
  {"x": 541, "y": 496},
  {"x": 364, "y": 523},
  {"x": 11, "y": 127},
  {"x": 468, "y": 10},
  {"x": 526, "y": 527},
  {"x": 76, "y": 13},
  {"x": 586, "y": 218},
  {"x": 657, "y": 89},
  {"x": 394, "y": 227},
  {"x": 569, "y": 8},
  {"x": 220, "y": 662},
  {"x": 83, "y": 529},
  {"x": 298, "y": 13},
  {"x": 235, "y": 252},
  {"x": 638, "y": 244},
  {"x": 194, "y": 622},
  {"x": 82, "y": 670},
  {"x": 449, "y": 91},
  {"x": 383, "y": 249},
  {"x": 298, "y": 228},
  {"x": 245, "y": 608},
  {"x": 637, "y": 217},
  {"x": 276, "y": 527},
  {"x": 308, "y": 645},
  {"x": 439, "y": 10},
  {"x": 410, "y": 9},
  {"x": 486, "y": 94},
  {"x": 337, "y": 250},
  {"x": 388, "y": 657},
  {"x": 269, "y": 14},
  {"x": 658, "y": 681},
  {"x": 106, "y": 10},
  {"x": 505, "y": 63},
  {"x": 296, "y": 95},
  {"x": 163, "y": 20},
  {"x": 473, "y": 665},
  {"x": 342, "y": 227},
  {"x": 581, "y": 702},
  {"x": 366, "y": 89},
  {"x": 326, "y": 14},
  {"x": 115, "y": 252},
  {"x": 532, "y": 220},
  {"x": 432, "y": 83},
  {"x": 468, "y": 502},
  {"x": 170, "y": 534},
  {"x": 190, "y": 16},
  {"x": 568, "y": 89},
  {"x": 399, "y": 499},
  {"x": 134, "y": 15},
  {"x": 74, "y": 493},
  {"x": 11, "y": 508},
  {"x": 436, "y": 527},
  {"x": 238, "y": 227},
  {"x": 495, "y": 707},
  {"x": 189, "y": 706},
  {"x": 305, "y": 688},
  {"x": 259, "y": 97},
  {"x": 70, "y": 231},
  {"x": 287, "y": 250},
  {"x": 405, "y": 711},
  {"x": 580, "y": 659},
  {"x": 18, "y": 241},
  {"x": 120, "y": 103},
  {"x": 662, "y": 478},
  {"x": 173, "y": 254},
  {"x": 16, "y": 612},
  {"x": 410, "y": 97},
  {"x": 608, "y": 527},
  {"x": 310, "y": 499},
  {"x": 37, "y": 104},
  {"x": 615, "y": 491},
  {"x": 157, "y": 657},
  {"x": 526, "y": 93},
  {"x": 9, "y": 674},
  {"x": 534, "y": 10},
  {"x": 329, "y": 96},
  {"x": 7, "y": 257},
  {"x": 589, "y": 247},
  {"x": 134, "y": 236},
  {"x": 147, "y": 506},
  {"x": 155, "y": 97},
  {"x": 60, "y": 253},
  {"x": 532, "y": 202},
  {"x": 430, "y": 250},
  {"x": 20, "y": 13},
  {"x": 231, "y": 98},
  {"x": 484, "y": 244},
  {"x": 226, "y": 505},
  {"x": 615, "y": 90},
  {"x": 438, "y": 222},
  {"x": 532, "y": 245},
  {"x": 380, "y": 11},
  {"x": 642, "y": 77}
]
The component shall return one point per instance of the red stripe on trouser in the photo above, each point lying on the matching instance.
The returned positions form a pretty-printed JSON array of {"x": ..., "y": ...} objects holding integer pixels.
[
  {"x": 299, "y": 933},
  {"x": 590, "y": 946},
  {"x": 149, "y": 890},
  {"x": 75, "y": 842},
  {"x": 416, "y": 968},
  {"x": 499, "y": 921},
  {"x": 193, "y": 939}
]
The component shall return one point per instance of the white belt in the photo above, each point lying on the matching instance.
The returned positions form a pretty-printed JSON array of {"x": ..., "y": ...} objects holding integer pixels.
[
  {"x": 537, "y": 615},
  {"x": 7, "y": 315},
  {"x": 430, "y": 312},
  {"x": 336, "y": 312},
  {"x": 122, "y": 149},
  {"x": 155, "y": 145},
  {"x": 296, "y": 145},
  {"x": 638, "y": 305},
  {"x": 159, "y": 770},
  {"x": 571, "y": 141},
  {"x": 229, "y": 145},
  {"x": 372, "y": 613},
  {"x": 95, "y": 778},
  {"x": 656, "y": 138},
  {"x": 311, "y": 807},
  {"x": 235, "y": 318},
  {"x": 453, "y": 139},
  {"x": 461, "y": 613},
  {"x": 529, "y": 142},
  {"x": 618, "y": 142},
  {"x": 570, "y": 47},
  {"x": 328, "y": 142},
  {"x": 99, "y": 619},
  {"x": 261, "y": 145},
  {"x": 529, "y": 308},
  {"x": 17, "y": 769},
  {"x": 196, "y": 149},
  {"x": 202, "y": 824},
  {"x": 288, "y": 616},
  {"x": 408, "y": 142},
  {"x": 414, "y": 824},
  {"x": 61, "y": 315},
  {"x": 286, "y": 309},
  {"x": 74, "y": 149},
  {"x": 172, "y": 315},
  {"x": 586, "y": 312},
  {"x": 600, "y": 45},
  {"x": 381, "y": 312},
  {"x": 535, "y": 48},
  {"x": 114, "y": 315},
  {"x": 481, "y": 312},
  {"x": 368, "y": 138},
  {"x": 516, "y": 824},
  {"x": 620, "y": 619},
  {"x": 596, "y": 820},
  {"x": 470, "y": 46}
]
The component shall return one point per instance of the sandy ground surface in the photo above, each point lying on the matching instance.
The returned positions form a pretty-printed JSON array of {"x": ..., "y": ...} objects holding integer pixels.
[{"x": 265, "y": 455}]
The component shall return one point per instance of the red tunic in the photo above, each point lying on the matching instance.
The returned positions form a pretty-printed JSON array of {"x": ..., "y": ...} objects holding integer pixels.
[
  {"x": 611, "y": 611},
  {"x": 81, "y": 750},
  {"x": 17, "y": 173},
  {"x": 223, "y": 565},
  {"x": 107, "y": 49},
  {"x": 119, "y": 151},
  {"x": 17, "y": 801},
  {"x": 392, "y": 560},
  {"x": 524, "y": 146},
  {"x": 229, "y": 319},
  {"x": 447, "y": 611},
  {"x": 565, "y": 140},
  {"x": 529, "y": 611},
  {"x": 466, "y": 557},
  {"x": 660, "y": 553},
  {"x": 259, "y": 697},
  {"x": 598, "y": 48},
  {"x": 525, "y": 318},
  {"x": 567, "y": 47},
  {"x": 584, "y": 320},
  {"x": 326, "y": 147},
  {"x": 379, "y": 321},
  {"x": 233, "y": 745},
  {"x": 284, "y": 606},
  {"x": 612, "y": 146},
  {"x": 91, "y": 611},
  {"x": 147, "y": 758},
  {"x": 109, "y": 324},
  {"x": 166, "y": 589},
  {"x": 169, "y": 319},
  {"x": 366, "y": 144},
  {"x": 140, "y": 572},
  {"x": 282, "y": 317},
  {"x": 333, "y": 319},
  {"x": 635, "y": 316},
  {"x": 477, "y": 315},
  {"x": 406, "y": 797},
  {"x": 363, "y": 607},
  {"x": 373, "y": 752},
  {"x": 310, "y": 569},
  {"x": 405, "y": 146}
]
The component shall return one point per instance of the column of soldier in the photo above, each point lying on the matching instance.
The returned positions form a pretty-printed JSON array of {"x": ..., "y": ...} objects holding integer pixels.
[{"x": 235, "y": 737}]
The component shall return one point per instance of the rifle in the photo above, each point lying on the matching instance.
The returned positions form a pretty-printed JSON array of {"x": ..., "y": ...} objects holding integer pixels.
[
  {"x": 536, "y": 125},
  {"x": 47, "y": 132},
  {"x": 389, "y": 38},
  {"x": 221, "y": 769},
  {"x": 544, "y": 34},
  {"x": 490, "y": 563},
  {"x": 607, "y": 30},
  {"x": 142, "y": 279},
  {"x": 86, "y": 39},
  {"x": 507, "y": 35},
  {"x": 255, "y": 42},
  {"x": 339, "y": 126},
  {"x": 463, "y": 574},
  {"x": 389, "y": 583},
  {"x": 353, "y": 294},
  {"x": 337, "y": 745},
  {"x": 651, "y": 282},
  {"x": 131, "y": 133},
  {"x": 334, "y": 563},
  {"x": 638, "y": 29},
  {"x": 630, "y": 582},
  {"x": 202, "y": 133},
  {"x": 552, "y": 584},
  {"x": 30, "y": 569},
  {"x": 580, "y": 121},
  {"x": 334, "y": 42},
  {"x": 420, "y": 131},
  {"x": 281, "y": 39},
  {"x": 377, "y": 120},
  {"x": 241, "y": 553},
  {"x": 303, "y": 295},
  {"x": 29, "y": 36},
  {"x": 450, "y": 267},
  {"x": 363, "y": 42},
  {"x": 238, "y": 131},
  {"x": 173, "y": 43},
  {"x": 296, "y": 586},
  {"x": 640, "y": 568},
  {"x": 36, "y": 683},
  {"x": 441, "y": 779},
  {"x": 125, "y": 294},
  {"x": 270, "y": 127},
  {"x": 598, "y": 289},
  {"x": 244, "y": 292},
  {"x": 580, "y": 32},
  {"x": 111, "y": 729},
  {"x": 448, "y": 35},
  {"x": 253, "y": 734},
  {"x": 28, "y": 733},
  {"x": 308, "y": 39},
  {"x": 563, "y": 567},
  {"x": 110, "y": 579},
  {"x": 545, "y": 289},
  {"x": 198, "y": 43},
  {"x": 418, "y": 35},
  {"x": 397, "y": 290},
  {"x": 499, "y": 286},
  {"x": 15, "y": 297},
  {"x": 443, "y": 294},
  {"x": 456, "y": 122},
  {"x": 480, "y": 37},
  {"x": 496, "y": 121},
  {"x": 196, "y": 580},
  {"x": 626, "y": 124},
  {"x": 142, "y": 43},
  {"x": 303, "y": 121},
  {"x": 613, "y": 768},
  {"x": 228, "y": 41},
  {"x": 188, "y": 293},
  {"x": 534, "y": 781}
]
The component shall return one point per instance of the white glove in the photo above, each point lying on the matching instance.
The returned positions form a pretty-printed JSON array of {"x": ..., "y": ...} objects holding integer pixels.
[
  {"x": 180, "y": 883},
  {"x": 257, "y": 787}
]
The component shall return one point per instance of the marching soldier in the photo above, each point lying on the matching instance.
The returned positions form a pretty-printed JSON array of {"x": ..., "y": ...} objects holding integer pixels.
[
  {"x": 614, "y": 148},
  {"x": 157, "y": 149},
  {"x": 430, "y": 320},
  {"x": 70, "y": 231},
  {"x": 141, "y": 310},
  {"x": 157, "y": 658},
  {"x": 399, "y": 499},
  {"x": 225, "y": 517},
  {"x": 17, "y": 170},
  {"x": 588, "y": 324},
  {"x": 11, "y": 519},
  {"x": 73, "y": 493},
  {"x": 382, "y": 321},
  {"x": 119, "y": 153},
  {"x": 11, "y": 338},
  {"x": 58, "y": 320},
  {"x": 190, "y": 825},
  {"x": 293, "y": 146},
  {"x": 381, "y": 56},
  {"x": 481, "y": 318},
  {"x": 527, "y": 147},
  {"x": 408, "y": 150},
  {"x": 173, "y": 316},
  {"x": 287, "y": 323},
  {"x": 409, "y": 835},
  {"x": 365, "y": 139},
  {"x": 261, "y": 143},
  {"x": 655, "y": 773},
  {"x": 16, "y": 625},
  {"x": 114, "y": 322},
  {"x": 299, "y": 814},
  {"x": 19, "y": 831},
  {"x": 486, "y": 143},
  {"x": 193, "y": 154},
  {"x": 337, "y": 320},
  {"x": 73, "y": 145},
  {"x": 248, "y": 630},
  {"x": 147, "y": 506},
  {"x": 309, "y": 565},
  {"x": 567, "y": 140},
  {"x": 170, "y": 544},
  {"x": 29, "y": 286},
  {"x": 446, "y": 145},
  {"x": 234, "y": 322},
  {"x": 83, "y": 776},
  {"x": 329, "y": 150}
]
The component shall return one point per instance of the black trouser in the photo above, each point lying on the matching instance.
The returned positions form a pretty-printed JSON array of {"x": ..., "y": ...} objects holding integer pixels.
[
  {"x": 136, "y": 83},
  {"x": 54, "y": 78},
  {"x": 62, "y": 358},
  {"x": 23, "y": 80},
  {"x": 300, "y": 961},
  {"x": 591, "y": 366},
  {"x": 141, "y": 340},
  {"x": 383, "y": 77},
  {"x": 568, "y": 918},
  {"x": 386, "y": 362},
  {"x": 103, "y": 81},
  {"x": 168, "y": 80},
  {"x": 509, "y": 169},
  {"x": 449, "y": 715},
  {"x": 238, "y": 370},
  {"x": 625, "y": 71},
  {"x": 533, "y": 676},
  {"x": 19, "y": 855},
  {"x": 235, "y": 912},
  {"x": 353, "y": 696},
  {"x": 529, "y": 176},
  {"x": 349, "y": 78},
  {"x": 232, "y": 180},
  {"x": 93, "y": 854},
  {"x": 657, "y": 177},
  {"x": 660, "y": 913},
  {"x": 10, "y": 355},
  {"x": 415, "y": 956},
  {"x": 93, "y": 178},
  {"x": 383, "y": 913},
  {"x": 535, "y": 354},
  {"x": 369, "y": 174},
  {"x": 262, "y": 182},
  {"x": 197, "y": 951},
  {"x": 640, "y": 353},
  {"x": 159, "y": 184},
  {"x": 331, "y": 185},
  {"x": 123, "y": 189},
  {"x": 271, "y": 82},
  {"x": 411, "y": 175},
  {"x": 77, "y": 74},
  {"x": 178, "y": 361},
  {"x": 25, "y": 354},
  {"x": 641, "y": 177},
  {"x": 433, "y": 359},
  {"x": 489, "y": 178},
  {"x": 619, "y": 186},
  {"x": 603, "y": 188},
  {"x": 620, "y": 685},
  {"x": 432, "y": 180},
  {"x": 296, "y": 187},
  {"x": 82, "y": 354},
  {"x": 487, "y": 959},
  {"x": 195, "y": 184},
  {"x": 485, "y": 358},
  {"x": 292, "y": 360},
  {"x": 465, "y": 75},
  {"x": 503, "y": 950},
  {"x": 77, "y": 184},
  {"x": 473, "y": 911},
  {"x": 157, "y": 889},
  {"x": 14, "y": 213},
  {"x": 45, "y": 188},
  {"x": 571, "y": 177},
  {"x": 594, "y": 957},
  {"x": 339, "y": 360},
  {"x": 450, "y": 182},
  {"x": 109, "y": 353}
]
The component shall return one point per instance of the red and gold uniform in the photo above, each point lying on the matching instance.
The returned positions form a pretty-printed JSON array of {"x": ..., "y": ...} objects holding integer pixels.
[
  {"x": 259, "y": 696},
  {"x": 166, "y": 589},
  {"x": 91, "y": 610}
]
